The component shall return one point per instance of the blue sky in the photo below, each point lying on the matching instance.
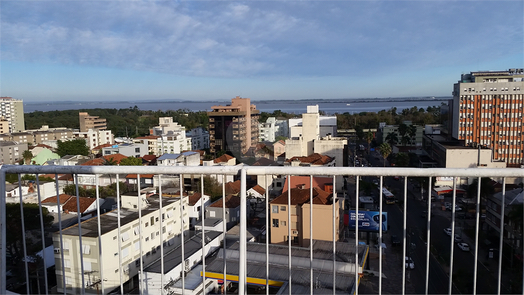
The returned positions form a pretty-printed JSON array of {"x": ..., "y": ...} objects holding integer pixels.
[{"x": 209, "y": 50}]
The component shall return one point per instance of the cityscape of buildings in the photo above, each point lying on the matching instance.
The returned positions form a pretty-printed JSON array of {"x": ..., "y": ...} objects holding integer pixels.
[{"x": 170, "y": 217}]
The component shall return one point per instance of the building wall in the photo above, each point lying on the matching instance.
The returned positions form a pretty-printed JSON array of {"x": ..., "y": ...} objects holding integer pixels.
[
  {"x": 468, "y": 158},
  {"x": 322, "y": 223},
  {"x": 128, "y": 150},
  {"x": 11, "y": 152},
  {"x": 12, "y": 110},
  {"x": 232, "y": 215},
  {"x": 91, "y": 122}
]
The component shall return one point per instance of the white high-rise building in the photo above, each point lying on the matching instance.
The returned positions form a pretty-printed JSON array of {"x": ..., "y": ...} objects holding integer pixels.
[
  {"x": 12, "y": 110},
  {"x": 272, "y": 128}
]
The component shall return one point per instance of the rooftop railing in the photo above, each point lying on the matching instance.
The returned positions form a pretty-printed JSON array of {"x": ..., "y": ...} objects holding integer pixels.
[{"x": 302, "y": 275}]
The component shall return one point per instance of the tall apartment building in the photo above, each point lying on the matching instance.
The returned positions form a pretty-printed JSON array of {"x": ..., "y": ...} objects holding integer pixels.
[
  {"x": 91, "y": 122},
  {"x": 115, "y": 255},
  {"x": 11, "y": 152},
  {"x": 487, "y": 110},
  {"x": 233, "y": 127},
  {"x": 12, "y": 110}
]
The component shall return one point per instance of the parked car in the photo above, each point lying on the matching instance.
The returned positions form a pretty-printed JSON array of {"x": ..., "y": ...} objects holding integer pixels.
[
  {"x": 458, "y": 239},
  {"x": 447, "y": 231},
  {"x": 409, "y": 263},
  {"x": 463, "y": 246}
]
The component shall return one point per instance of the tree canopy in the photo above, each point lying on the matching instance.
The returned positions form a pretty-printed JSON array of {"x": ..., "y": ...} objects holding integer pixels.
[
  {"x": 131, "y": 161},
  {"x": 72, "y": 147}
]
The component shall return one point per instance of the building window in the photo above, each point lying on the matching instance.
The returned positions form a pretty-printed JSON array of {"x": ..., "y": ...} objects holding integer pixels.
[
  {"x": 275, "y": 222},
  {"x": 282, "y": 208},
  {"x": 283, "y": 223},
  {"x": 274, "y": 209}
]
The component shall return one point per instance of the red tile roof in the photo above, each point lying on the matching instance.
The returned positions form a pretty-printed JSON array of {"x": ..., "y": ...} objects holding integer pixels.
[
  {"x": 264, "y": 162},
  {"x": 116, "y": 157},
  {"x": 94, "y": 162},
  {"x": 193, "y": 199},
  {"x": 52, "y": 200},
  {"x": 301, "y": 196},
  {"x": 71, "y": 205},
  {"x": 223, "y": 159},
  {"x": 231, "y": 202},
  {"x": 68, "y": 177},
  {"x": 233, "y": 187},
  {"x": 313, "y": 159},
  {"x": 99, "y": 147},
  {"x": 148, "y": 137},
  {"x": 149, "y": 158},
  {"x": 304, "y": 181},
  {"x": 259, "y": 189}
]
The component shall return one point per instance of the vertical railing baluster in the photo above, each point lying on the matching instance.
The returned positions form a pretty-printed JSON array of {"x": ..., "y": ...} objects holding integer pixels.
[
  {"x": 310, "y": 233},
  {"x": 267, "y": 235},
  {"x": 477, "y": 228},
  {"x": 203, "y": 236},
  {"x": 224, "y": 229},
  {"x": 334, "y": 199},
  {"x": 43, "y": 233},
  {"x": 60, "y": 233},
  {"x": 428, "y": 238},
  {"x": 101, "y": 267},
  {"x": 454, "y": 201},
  {"x": 182, "y": 246},
  {"x": 243, "y": 237},
  {"x": 160, "y": 216},
  {"x": 3, "y": 235},
  {"x": 23, "y": 233},
  {"x": 357, "y": 269},
  {"x": 289, "y": 232},
  {"x": 79, "y": 220},
  {"x": 119, "y": 237},
  {"x": 404, "y": 226},
  {"x": 380, "y": 237},
  {"x": 140, "y": 239},
  {"x": 501, "y": 237}
]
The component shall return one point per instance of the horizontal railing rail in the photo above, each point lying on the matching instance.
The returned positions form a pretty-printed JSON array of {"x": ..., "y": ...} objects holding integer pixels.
[{"x": 242, "y": 172}]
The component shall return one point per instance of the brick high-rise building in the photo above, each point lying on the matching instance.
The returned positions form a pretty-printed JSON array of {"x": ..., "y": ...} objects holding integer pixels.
[
  {"x": 12, "y": 110},
  {"x": 487, "y": 109},
  {"x": 234, "y": 127}
]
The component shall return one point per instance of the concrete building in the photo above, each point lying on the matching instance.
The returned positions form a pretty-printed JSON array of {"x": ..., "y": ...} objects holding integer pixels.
[
  {"x": 136, "y": 150},
  {"x": 494, "y": 210},
  {"x": 272, "y": 128},
  {"x": 232, "y": 213},
  {"x": 91, "y": 122},
  {"x": 121, "y": 250},
  {"x": 150, "y": 141},
  {"x": 171, "y": 137},
  {"x": 300, "y": 217},
  {"x": 197, "y": 204},
  {"x": 4, "y": 126},
  {"x": 12, "y": 110},
  {"x": 327, "y": 125},
  {"x": 95, "y": 137},
  {"x": 11, "y": 152},
  {"x": 234, "y": 127},
  {"x": 199, "y": 138},
  {"x": 182, "y": 159},
  {"x": 487, "y": 109}
]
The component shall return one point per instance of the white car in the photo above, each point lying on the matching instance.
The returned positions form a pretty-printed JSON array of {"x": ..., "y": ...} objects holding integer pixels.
[
  {"x": 458, "y": 239},
  {"x": 447, "y": 231},
  {"x": 409, "y": 263},
  {"x": 463, "y": 246}
]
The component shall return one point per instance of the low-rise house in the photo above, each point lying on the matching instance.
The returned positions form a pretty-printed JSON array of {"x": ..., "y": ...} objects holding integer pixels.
[
  {"x": 56, "y": 204},
  {"x": 87, "y": 205},
  {"x": 197, "y": 203},
  {"x": 232, "y": 210},
  {"x": 224, "y": 160}
]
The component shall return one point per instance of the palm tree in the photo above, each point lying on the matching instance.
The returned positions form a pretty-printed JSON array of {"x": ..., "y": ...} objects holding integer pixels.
[
  {"x": 392, "y": 138},
  {"x": 385, "y": 151},
  {"x": 369, "y": 138},
  {"x": 27, "y": 155}
]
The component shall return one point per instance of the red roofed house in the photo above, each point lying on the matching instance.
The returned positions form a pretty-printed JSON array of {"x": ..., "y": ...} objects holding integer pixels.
[
  {"x": 87, "y": 205},
  {"x": 300, "y": 217},
  {"x": 232, "y": 205},
  {"x": 195, "y": 202},
  {"x": 303, "y": 182},
  {"x": 51, "y": 203},
  {"x": 256, "y": 192},
  {"x": 224, "y": 160}
]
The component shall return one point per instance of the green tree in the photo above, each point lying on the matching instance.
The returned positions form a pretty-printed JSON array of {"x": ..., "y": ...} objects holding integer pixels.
[
  {"x": 360, "y": 132},
  {"x": 385, "y": 151},
  {"x": 131, "y": 161},
  {"x": 280, "y": 137},
  {"x": 402, "y": 160},
  {"x": 27, "y": 155},
  {"x": 211, "y": 188},
  {"x": 392, "y": 138},
  {"x": 369, "y": 138},
  {"x": 72, "y": 147}
]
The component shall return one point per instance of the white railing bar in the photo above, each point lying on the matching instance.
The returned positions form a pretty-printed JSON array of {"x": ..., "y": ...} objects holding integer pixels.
[
  {"x": 267, "y": 235},
  {"x": 310, "y": 234},
  {"x": 43, "y": 235},
  {"x": 357, "y": 238},
  {"x": 99, "y": 234},
  {"x": 23, "y": 233},
  {"x": 263, "y": 170},
  {"x": 60, "y": 232},
  {"x": 3, "y": 236},
  {"x": 79, "y": 220},
  {"x": 289, "y": 231},
  {"x": 428, "y": 235},
  {"x": 161, "y": 217},
  {"x": 140, "y": 241},
  {"x": 334, "y": 198},
  {"x": 404, "y": 235},
  {"x": 501, "y": 242},
  {"x": 243, "y": 237},
  {"x": 380, "y": 200},
  {"x": 182, "y": 235},
  {"x": 224, "y": 230},
  {"x": 203, "y": 237},
  {"x": 453, "y": 202},
  {"x": 477, "y": 224},
  {"x": 119, "y": 234}
]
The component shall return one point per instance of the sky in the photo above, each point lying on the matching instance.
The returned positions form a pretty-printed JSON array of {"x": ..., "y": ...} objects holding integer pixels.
[{"x": 263, "y": 50}]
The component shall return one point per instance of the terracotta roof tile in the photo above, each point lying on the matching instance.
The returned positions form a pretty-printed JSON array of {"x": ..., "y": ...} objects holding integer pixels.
[
  {"x": 231, "y": 202},
  {"x": 116, "y": 157},
  {"x": 304, "y": 181},
  {"x": 52, "y": 200},
  {"x": 193, "y": 199},
  {"x": 68, "y": 177},
  {"x": 264, "y": 162},
  {"x": 259, "y": 189},
  {"x": 99, "y": 147},
  {"x": 148, "y": 137},
  {"x": 134, "y": 176},
  {"x": 223, "y": 159},
  {"x": 44, "y": 146},
  {"x": 233, "y": 187},
  {"x": 71, "y": 204},
  {"x": 301, "y": 196},
  {"x": 149, "y": 158},
  {"x": 313, "y": 159},
  {"x": 94, "y": 162}
]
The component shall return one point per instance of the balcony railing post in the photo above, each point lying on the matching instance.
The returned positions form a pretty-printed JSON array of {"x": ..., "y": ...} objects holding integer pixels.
[
  {"x": 3, "y": 252},
  {"x": 243, "y": 229}
]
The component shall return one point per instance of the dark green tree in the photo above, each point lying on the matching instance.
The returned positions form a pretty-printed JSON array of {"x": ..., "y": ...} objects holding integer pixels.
[
  {"x": 131, "y": 161},
  {"x": 392, "y": 138},
  {"x": 385, "y": 151},
  {"x": 27, "y": 155},
  {"x": 72, "y": 147}
]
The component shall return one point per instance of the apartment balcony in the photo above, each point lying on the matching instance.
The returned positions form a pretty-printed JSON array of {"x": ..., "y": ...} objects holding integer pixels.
[{"x": 351, "y": 262}]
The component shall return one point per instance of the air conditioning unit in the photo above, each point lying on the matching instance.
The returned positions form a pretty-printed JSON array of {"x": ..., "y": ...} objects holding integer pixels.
[
  {"x": 57, "y": 250},
  {"x": 295, "y": 232}
]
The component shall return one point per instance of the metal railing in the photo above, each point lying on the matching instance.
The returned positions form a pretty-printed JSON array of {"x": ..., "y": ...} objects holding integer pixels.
[{"x": 242, "y": 172}]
